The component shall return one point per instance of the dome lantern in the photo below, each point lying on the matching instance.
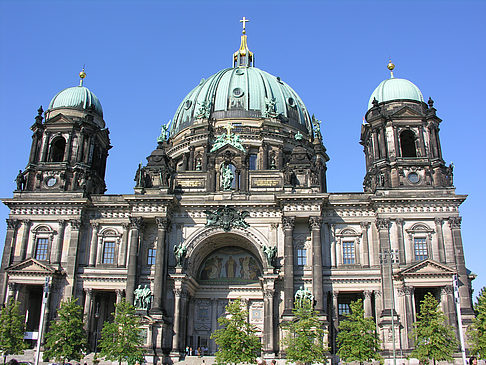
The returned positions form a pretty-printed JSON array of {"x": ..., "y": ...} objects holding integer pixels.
[{"x": 243, "y": 57}]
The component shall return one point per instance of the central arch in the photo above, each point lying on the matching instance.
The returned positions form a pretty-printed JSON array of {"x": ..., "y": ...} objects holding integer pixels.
[{"x": 224, "y": 266}]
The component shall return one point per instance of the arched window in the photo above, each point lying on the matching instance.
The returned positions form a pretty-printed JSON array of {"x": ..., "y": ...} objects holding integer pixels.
[
  {"x": 407, "y": 143},
  {"x": 57, "y": 149}
]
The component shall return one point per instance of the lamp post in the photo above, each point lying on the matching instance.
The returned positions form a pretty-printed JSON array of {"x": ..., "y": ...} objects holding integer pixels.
[
  {"x": 389, "y": 257},
  {"x": 97, "y": 317}
]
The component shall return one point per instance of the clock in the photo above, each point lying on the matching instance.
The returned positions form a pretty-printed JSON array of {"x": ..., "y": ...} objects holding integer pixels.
[
  {"x": 413, "y": 177},
  {"x": 51, "y": 181}
]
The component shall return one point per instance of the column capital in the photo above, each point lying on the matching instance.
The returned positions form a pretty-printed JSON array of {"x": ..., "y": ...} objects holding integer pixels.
[
  {"x": 119, "y": 292},
  {"x": 367, "y": 293},
  {"x": 136, "y": 222},
  {"x": 12, "y": 287},
  {"x": 288, "y": 222},
  {"x": 315, "y": 223},
  {"x": 61, "y": 222},
  {"x": 88, "y": 291},
  {"x": 399, "y": 221},
  {"x": 364, "y": 225},
  {"x": 125, "y": 225},
  {"x": 455, "y": 222},
  {"x": 12, "y": 223},
  {"x": 26, "y": 222},
  {"x": 75, "y": 224},
  {"x": 269, "y": 293},
  {"x": 335, "y": 294},
  {"x": 162, "y": 222},
  {"x": 382, "y": 223},
  {"x": 95, "y": 225},
  {"x": 438, "y": 221},
  {"x": 448, "y": 289}
]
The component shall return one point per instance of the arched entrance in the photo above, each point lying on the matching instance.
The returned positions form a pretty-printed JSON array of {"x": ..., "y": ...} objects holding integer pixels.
[{"x": 229, "y": 266}]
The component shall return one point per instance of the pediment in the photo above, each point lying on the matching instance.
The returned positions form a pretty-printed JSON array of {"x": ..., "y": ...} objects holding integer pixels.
[
  {"x": 30, "y": 266},
  {"x": 426, "y": 267},
  {"x": 406, "y": 111},
  {"x": 228, "y": 148},
  {"x": 59, "y": 119}
]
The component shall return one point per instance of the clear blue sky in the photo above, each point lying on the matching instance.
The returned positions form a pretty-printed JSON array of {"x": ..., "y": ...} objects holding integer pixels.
[{"x": 143, "y": 57}]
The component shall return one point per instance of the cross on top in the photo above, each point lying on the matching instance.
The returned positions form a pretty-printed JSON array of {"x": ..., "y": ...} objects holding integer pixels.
[{"x": 244, "y": 20}]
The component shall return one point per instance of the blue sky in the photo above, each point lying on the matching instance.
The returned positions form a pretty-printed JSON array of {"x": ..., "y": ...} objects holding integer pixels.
[{"x": 143, "y": 57}]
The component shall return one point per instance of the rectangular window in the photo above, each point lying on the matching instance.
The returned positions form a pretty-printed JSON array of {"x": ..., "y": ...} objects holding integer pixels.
[
  {"x": 41, "y": 249},
  {"x": 109, "y": 252},
  {"x": 151, "y": 256},
  {"x": 343, "y": 308},
  {"x": 348, "y": 253},
  {"x": 421, "y": 252},
  {"x": 301, "y": 257},
  {"x": 253, "y": 161}
]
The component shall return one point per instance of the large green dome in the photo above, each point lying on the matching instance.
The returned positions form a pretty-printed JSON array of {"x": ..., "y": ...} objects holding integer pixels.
[
  {"x": 395, "y": 89},
  {"x": 242, "y": 92},
  {"x": 77, "y": 97}
]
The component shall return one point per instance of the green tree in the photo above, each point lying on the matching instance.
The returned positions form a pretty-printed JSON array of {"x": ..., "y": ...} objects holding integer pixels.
[
  {"x": 434, "y": 340},
  {"x": 304, "y": 338},
  {"x": 12, "y": 330},
  {"x": 121, "y": 340},
  {"x": 477, "y": 331},
  {"x": 66, "y": 339},
  {"x": 357, "y": 339},
  {"x": 236, "y": 339}
]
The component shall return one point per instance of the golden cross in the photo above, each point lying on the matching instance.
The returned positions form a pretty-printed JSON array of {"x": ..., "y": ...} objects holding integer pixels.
[
  {"x": 244, "y": 20},
  {"x": 228, "y": 127}
]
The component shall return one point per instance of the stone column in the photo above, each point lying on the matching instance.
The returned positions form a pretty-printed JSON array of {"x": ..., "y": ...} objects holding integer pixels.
[
  {"x": 160, "y": 269},
  {"x": 214, "y": 322},
  {"x": 25, "y": 238},
  {"x": 288, "y": 227},
  {"x": 376, "y": 147},
  {"x": 315, "y": 225},
  {"x": 72, "y": 257},
  {"x": 401, "y": 243},
  {"x": 59, "y": 243},
  {"x": 384, "y": 240},
  {"x": 378, "y": 305},
  {"x": 368, "y": 309},
  {"x": 135, "y": 225},
  {"x": 447, "y": 305},
  {"x": 268, "y": 334},
  {"x": 382, "y": 143},
  {"x": 93, "y": 248},
  {"x": 366, "y": 249},
  {"x": 332, "y": 243},
  {"x": 191, "y": 158},
  {"x": 177, "y": 321},
  {"x": 326, "y": 247},
  {"x": 335, "y": 317},
  {"x": 12, "y": 292},
  {"x": 45, "y": 144},
  {"x": 440, "y": 239},
  {"x": 88, "y": 308},
  {"x": 8, "y": 253},
  {"x": 265, "y": 156},
  {"x": 464, "y": 284},
  {"x": 119, "y": 295},
  {"x": 407, "y": 318},
  {"x": 122, "y": 257}
]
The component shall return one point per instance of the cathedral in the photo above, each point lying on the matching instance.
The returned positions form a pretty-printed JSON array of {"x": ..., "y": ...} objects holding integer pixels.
[{"x": 233, "y": 203}]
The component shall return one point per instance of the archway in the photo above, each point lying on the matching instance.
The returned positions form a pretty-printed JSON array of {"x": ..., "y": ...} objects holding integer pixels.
[{"x": 225, "y": 266}]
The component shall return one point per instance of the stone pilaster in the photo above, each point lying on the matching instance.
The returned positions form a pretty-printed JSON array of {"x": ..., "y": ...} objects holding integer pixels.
[
  {"x": 135, "y": 226},
  {"x": 57, "y": 251},
  {"x": 93, "y": 248},
  {"x": 401, "y": 243},
  {"x": 288, "y": 227},
  {"x": 160, "y": 269},
  {"x": 25, "y": 238},
  {"x": 8, "y": 253},
  {"x": 368, "y": 309},
  {"x": 315, "y": 225},
  {"x": 72, "y": 257},
  {"x": 365, "y": 244},
  {"x": 440, "y": 239},
  {"x": 122, "y": 257},
  {"x": 88, "y": 308}
]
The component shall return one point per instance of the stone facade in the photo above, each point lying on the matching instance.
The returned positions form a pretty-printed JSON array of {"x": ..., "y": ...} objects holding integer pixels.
[{"x": 259, "y": 236}]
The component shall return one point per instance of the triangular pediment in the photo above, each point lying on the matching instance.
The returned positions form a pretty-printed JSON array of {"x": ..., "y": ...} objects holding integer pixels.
[
  {"x": 59, "y": 119},
  {"x": 406, "y": 112},
  {"x": 228, "y": 148},
  {"x": 30, "y": 266},
  {"x": 426, "y": 267}
]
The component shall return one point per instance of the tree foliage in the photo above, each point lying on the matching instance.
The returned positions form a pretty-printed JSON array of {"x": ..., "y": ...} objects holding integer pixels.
[
  {"x": 236, "y": 339},
  {"x": 11, "y": 330},
  {"x": 121, "y": 340},
  {"x": 434, "y": 340},
  {"x": 357, "y": 339},
  {"x": 66, "y": 339},
  {"x": 304, "y": 338},
  {"x": 477, "y": 330}
]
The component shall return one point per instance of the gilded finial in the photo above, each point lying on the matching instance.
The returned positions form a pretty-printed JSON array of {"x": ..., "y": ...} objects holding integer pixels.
[
  {"x": 82, "y": 75},
  {"x": 390, "y": 66},
  {"x": 243, "y": 57}
]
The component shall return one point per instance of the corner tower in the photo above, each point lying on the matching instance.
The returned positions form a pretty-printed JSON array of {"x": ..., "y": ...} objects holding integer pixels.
[
  {"x": 400, "y": 135},
  {"x": 70, "y": 148}
]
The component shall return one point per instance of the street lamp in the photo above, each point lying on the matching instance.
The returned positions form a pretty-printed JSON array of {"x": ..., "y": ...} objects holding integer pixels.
[
  {"x": 389, "y": 257},
  {"x": 97, "y": 317}
]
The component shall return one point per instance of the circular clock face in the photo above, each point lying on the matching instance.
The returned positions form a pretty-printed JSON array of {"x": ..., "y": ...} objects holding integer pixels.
[
  {"x": 51, "y": 181},
  {"x": 413, "y": 177}
]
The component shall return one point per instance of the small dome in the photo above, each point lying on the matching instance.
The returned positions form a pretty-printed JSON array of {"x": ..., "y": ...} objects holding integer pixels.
[
  {"x": 242, "y": 92},
  {"x": 395, "y": 89},
  {"x": 78, "y": 97}
]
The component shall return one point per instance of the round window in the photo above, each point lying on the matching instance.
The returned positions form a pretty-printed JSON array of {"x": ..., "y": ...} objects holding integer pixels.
[
  {"x": 240, "y": 72},
  {"x": 188, "y": 104},
  {"x": 291, "y": 101},
  {"x": 413, "y": 177},
  {"x": 237, "y": 92},
  {"x": 51, "y": 181}
]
